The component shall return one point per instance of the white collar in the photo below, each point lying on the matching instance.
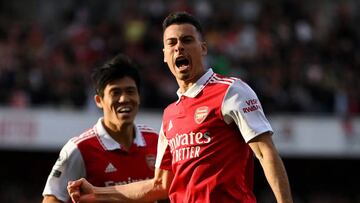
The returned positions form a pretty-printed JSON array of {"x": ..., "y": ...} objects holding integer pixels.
[
  {"x": 109, "y": 143},
  {"x": 196, "y": 88}
]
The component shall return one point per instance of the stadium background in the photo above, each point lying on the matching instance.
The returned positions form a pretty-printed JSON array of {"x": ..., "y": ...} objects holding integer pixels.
[{"x": 301, "y": 57}]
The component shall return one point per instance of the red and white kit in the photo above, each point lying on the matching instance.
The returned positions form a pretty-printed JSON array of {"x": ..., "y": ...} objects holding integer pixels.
[
  {"x": 99, "y": 158},
  {"x": 203, "y": 140}
]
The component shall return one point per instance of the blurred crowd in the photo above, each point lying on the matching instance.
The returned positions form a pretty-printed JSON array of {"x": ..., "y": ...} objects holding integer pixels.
[{"x": 299, "y": 56}]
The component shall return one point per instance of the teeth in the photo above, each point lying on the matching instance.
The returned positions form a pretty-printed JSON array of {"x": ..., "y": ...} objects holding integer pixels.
[{"x": 124, "y": 109}]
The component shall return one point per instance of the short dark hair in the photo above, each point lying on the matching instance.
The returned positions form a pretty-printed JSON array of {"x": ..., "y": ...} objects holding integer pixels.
[
  {"x": 182, "y": 18},
  {"x": 118, "y": 67}
]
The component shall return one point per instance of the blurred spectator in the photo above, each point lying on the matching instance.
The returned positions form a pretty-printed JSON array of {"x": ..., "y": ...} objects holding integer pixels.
[{"x": 302, "y": 57}]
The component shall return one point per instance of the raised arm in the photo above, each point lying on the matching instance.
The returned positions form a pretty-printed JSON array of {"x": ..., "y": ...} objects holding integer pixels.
[
  {"x": 142, "y": 191},
  {"x": 273, "y": 167}
]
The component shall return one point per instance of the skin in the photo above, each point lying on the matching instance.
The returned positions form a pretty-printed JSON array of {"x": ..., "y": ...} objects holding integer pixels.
[
  {"x": 119, "y": 94},
  {"x": 184, "y": 41},
  {"x": 51, "y": 199},
  {"x": 273, "y": 167}
]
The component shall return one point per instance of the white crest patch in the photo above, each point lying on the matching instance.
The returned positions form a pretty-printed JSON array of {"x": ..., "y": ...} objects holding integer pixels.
[
  {"x": 200, "y": 114},
  {"x": 63, "y": 156}
]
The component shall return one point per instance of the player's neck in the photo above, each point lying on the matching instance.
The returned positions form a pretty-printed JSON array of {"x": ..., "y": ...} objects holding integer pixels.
[
  {"x": 184, "y": 85},
  {"x": 124, "y": 135}
]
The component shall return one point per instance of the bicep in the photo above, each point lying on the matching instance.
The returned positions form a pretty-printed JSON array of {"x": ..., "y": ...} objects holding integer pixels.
[
  {"x": 51, "y": 199},
  {"x": 263, "y": 146}
]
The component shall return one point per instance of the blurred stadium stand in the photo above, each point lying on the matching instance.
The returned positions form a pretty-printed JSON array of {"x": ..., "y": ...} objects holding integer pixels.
[{"x": 301, "y": 57}]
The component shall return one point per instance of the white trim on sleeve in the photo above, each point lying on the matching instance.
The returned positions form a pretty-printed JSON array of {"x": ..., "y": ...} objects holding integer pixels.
[
  {"x": 161, "y": 147},
  {"x": 242, "y": 106},
  {"x": 69, "y": 166}
]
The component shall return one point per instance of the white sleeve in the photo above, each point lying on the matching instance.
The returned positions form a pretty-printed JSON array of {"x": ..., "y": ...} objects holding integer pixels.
[
  {"x": 69, "y": 166},
  {"x": 242, "y": 106},
  {"x": 161, "y": 148}
]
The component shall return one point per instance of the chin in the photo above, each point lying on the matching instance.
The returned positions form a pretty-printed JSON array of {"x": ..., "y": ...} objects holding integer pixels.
[
  {"x": 126, "y": 118},
  {"x": 125, "y": 123},
  {"x": 184, "y": 77}
]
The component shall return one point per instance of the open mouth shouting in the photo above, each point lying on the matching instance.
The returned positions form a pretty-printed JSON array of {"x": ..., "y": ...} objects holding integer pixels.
[{"x": 182, "y": 63}]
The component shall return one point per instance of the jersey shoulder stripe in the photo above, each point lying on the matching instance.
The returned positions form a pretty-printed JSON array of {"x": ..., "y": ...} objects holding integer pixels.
[
  {"x": 222, "y": 79},
  {"x": 147, "y": 129},
  {"x": 90, "y": 133}
]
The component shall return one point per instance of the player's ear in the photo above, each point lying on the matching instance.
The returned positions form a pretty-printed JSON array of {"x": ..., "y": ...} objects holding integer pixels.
[
  {"x": 204, "y": 48},
  {"x": 164, "y": 54},
  {"x": 98, "y": 100}
]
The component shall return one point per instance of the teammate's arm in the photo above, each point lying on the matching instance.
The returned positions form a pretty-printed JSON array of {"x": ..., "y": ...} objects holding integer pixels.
[
  {"x": 273, "y": 166},
  {"x": 51, "y": 199},
  {"x": 142, "y": 191}
]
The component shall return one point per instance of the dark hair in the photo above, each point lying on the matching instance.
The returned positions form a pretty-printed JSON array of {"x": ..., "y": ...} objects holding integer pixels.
[
  {"x": 119, "y": 67},
  {"x": 182, "y": 18}
]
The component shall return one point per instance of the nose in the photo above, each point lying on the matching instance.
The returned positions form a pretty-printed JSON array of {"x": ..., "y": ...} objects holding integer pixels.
[
  {"x": 123, "y": 98},
  {"x": 179, "y": 47}
]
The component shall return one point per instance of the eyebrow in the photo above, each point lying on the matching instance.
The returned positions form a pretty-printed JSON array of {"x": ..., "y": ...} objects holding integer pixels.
[
  {"x": 122, "y": 88},
  {"x": 181, "y": 37}
]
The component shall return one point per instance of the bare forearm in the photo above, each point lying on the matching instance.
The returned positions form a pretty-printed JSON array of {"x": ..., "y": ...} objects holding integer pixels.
[
  {"x": 273, "y": 167},
  {"x": 277, "y": 177},
  {"x": 144, "y": 191}
]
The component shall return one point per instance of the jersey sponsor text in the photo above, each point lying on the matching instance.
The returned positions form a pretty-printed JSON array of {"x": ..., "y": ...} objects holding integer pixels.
[
  {"x": 253, "y": 105},
  {"x": 188, "y": 145}
]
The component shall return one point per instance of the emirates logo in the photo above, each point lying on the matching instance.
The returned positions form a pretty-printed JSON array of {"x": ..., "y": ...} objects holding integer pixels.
[{"x": 200, "y": 114}]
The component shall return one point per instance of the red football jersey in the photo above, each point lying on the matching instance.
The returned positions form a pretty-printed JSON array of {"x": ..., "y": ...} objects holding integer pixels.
[
  {"x": 96, "y": 156},
  {"x": 203, "y": 140}
]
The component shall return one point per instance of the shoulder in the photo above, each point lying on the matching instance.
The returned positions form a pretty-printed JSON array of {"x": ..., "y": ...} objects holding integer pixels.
[
  {"x": 234, "y": 82},
  {"x": 145, "y": 129},
  {"x": 239, "y": 86},
  {"x": 232, "y": 86},
  {"x": 239, "y": 94},
  {"x": 86, "y": 135},
  {"x": 149, "y": 135},
  {"x": 169, "y": 110},
  {"x": 221, "y": 79}
]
